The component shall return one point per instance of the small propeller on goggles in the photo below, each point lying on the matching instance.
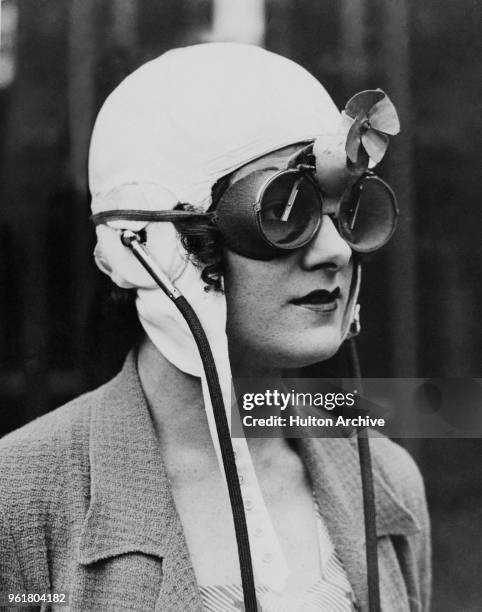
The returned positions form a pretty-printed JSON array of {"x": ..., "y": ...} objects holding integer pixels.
[{"x": 375, "y": 118}]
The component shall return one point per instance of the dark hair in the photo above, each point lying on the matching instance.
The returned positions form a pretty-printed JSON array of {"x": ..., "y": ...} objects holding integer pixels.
[{"x": 203, "y": 241}]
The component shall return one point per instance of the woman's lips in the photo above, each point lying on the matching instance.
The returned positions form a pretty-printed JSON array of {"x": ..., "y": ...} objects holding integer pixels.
[{"x": 319, "y": 300}]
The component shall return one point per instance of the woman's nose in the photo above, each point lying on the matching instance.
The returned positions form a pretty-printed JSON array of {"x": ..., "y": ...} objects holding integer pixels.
[{"x": 327, "y": 248}]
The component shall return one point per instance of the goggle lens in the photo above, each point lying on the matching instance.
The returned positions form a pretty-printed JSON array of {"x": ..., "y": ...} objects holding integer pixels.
[
  {"x": 290, "y": 211},
  {"x": 367, "y": 216}
]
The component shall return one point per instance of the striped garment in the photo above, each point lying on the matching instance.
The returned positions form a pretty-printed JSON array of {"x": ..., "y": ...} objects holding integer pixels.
[{"x": 331, "y": 593}]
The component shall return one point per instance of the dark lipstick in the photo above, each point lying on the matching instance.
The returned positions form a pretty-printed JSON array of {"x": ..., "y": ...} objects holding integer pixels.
[{"x": 320, "y": 300}]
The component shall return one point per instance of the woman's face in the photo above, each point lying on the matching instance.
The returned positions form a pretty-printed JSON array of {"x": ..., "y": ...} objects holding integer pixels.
[{"x": 288, "y": 312}]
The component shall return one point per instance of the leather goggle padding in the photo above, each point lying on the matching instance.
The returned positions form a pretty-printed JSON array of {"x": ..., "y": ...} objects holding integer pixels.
[
  {"x": 236, "y": 216},
  {"x": 235, "y": 212}
]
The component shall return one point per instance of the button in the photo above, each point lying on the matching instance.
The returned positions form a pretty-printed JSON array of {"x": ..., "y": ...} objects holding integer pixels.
[
  {"x": 240, "y": 478},
  {"x": 267, "y": 558},
  {"x": 258, "y": 532},
  {"x": 248, "y": 504}
]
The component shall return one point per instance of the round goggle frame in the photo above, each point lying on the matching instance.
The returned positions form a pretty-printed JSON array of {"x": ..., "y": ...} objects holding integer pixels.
[{"x": 287, "y": 209}]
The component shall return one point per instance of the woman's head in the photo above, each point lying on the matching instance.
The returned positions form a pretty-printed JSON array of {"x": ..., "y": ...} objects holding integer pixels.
[{"x": 177, "y": 131}]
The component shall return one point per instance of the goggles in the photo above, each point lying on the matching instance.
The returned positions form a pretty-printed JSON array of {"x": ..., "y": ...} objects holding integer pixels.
[{"x": 269, "y": 211}]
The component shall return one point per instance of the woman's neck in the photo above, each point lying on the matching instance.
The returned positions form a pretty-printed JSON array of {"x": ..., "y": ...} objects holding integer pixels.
[
  {"x": 245, "y": 365},
  {"x": 176, "y": 401},
  {"x": 175, "y": 398}
]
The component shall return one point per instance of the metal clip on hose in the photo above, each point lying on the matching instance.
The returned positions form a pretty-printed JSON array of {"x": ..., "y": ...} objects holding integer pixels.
[{"x": 132, "y": 241}]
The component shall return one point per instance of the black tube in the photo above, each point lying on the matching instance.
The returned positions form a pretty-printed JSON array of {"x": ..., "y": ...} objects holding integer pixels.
[
  {"x": 368, "y": 492},
  {"x": 130, "y": 240},
  {"x": 227, "y": 453}
]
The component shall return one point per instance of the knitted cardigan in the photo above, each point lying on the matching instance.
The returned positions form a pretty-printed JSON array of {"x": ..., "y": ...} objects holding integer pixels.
[{"x": 86, "y": 509}]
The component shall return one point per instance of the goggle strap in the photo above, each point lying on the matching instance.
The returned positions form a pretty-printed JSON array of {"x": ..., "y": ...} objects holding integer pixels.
[{"x": 153, "y": 216}]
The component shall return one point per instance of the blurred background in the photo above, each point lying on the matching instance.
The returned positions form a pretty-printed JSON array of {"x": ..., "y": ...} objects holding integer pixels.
[{"x": 422, "y": 294}]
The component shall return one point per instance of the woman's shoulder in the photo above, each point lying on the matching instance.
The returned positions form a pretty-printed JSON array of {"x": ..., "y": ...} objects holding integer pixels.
[
  {"x": 37, "y": 456},
  {"x": 51, "y": 451},
  {"x": 397, "y": 478},
  {"x": 45, "y": 482},
  {"x": 46, "y": 437},
  {"x": 48, "y": 433},
  {"x": 47, "y": 470},
  {"x": 399, "y": 471}
]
